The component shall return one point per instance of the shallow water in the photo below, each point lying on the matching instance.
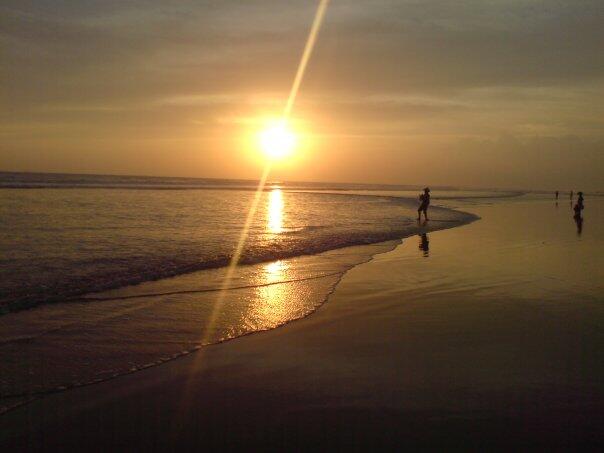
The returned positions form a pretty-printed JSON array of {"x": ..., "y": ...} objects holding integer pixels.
[
  {"x": 62, "y": 345},
  {"x": 60, "y": 243},
  {"x": 122, "y": 279}
]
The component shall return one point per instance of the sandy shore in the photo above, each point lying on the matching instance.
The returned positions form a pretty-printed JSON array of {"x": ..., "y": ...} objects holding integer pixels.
[{"x": 474, "y": 342}]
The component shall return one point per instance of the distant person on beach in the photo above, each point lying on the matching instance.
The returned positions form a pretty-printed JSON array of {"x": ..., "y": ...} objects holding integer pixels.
[
  {"x": 579, "y": 222},
  {"x": 571, "y": 194},
  {"x": 580, "y": 200},
  {"x": 556, "y": 194},
  {"x": 424, "y": 202},
  {"x": 578, "y": 211}
]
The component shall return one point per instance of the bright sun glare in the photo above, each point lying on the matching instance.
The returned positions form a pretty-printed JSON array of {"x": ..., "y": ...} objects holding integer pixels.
[{"x": 277, "y": 140}]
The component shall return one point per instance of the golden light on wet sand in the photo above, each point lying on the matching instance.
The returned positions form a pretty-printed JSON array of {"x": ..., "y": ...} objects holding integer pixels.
[{"x": 277, "y": 141}]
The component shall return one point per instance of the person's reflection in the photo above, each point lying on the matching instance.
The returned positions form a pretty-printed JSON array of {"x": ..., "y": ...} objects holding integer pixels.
[
  {"x": 424, "y": 244},
  {"x": 579, "y": 222}
]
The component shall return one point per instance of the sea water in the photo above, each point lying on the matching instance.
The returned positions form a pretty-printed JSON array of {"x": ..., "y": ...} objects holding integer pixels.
[
  {"x": 67, "y": 235},
  {"x": 106, "y": 275}
]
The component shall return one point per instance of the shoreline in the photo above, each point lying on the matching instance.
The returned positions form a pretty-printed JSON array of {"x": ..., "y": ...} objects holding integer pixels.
[
  {"x": 459, "y": 217},
  {"x": 197, "y": 348},
  {"x": 408, "y": 351},
  {"x": 381, "y": 247}
]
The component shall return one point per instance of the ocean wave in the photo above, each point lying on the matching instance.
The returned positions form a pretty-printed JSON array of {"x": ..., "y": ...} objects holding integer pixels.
[
  {"x": 63, "y": 245},
  {"x": 122, "y": 313},
  {"x": 136, "y": 270}
]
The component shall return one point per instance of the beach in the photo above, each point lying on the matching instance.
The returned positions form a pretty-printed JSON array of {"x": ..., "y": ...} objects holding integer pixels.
[
  {"x": 302, "y": 226},
  {"x": 105, "y": 276},
  {"x": 484, "y": 335}
]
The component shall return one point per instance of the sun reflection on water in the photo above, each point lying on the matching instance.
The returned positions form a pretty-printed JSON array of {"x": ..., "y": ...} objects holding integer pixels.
[
  {"x": 274, "y": 301},
  {"x": 276, "y": 271},
  {"x": 275, "y": 212}
]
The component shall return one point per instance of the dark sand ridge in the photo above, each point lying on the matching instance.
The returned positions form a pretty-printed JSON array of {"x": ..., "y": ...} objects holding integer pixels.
[{"x": 494, "y": 338}]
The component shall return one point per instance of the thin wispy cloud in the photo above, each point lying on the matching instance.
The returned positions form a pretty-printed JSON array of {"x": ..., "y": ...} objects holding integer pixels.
[{"x": 420, "y": 75}]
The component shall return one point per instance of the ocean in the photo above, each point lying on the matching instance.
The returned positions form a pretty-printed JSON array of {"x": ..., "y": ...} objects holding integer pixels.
[
  {"x": 107, "y": 275},
  {"x": 63, "y": 236}
]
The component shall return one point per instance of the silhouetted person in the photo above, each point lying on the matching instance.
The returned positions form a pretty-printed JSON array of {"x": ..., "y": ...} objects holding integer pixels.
[
  {"x": 579, "y": 222},
  {"x": 556, "y": 194},
  {"x": 580, "y": 200},
  {"x": 571, "y": 194},
  {"x": 577, "y": 210},
  {"x": 424, "y": 202},
  {"x": 424, "y": 244}
]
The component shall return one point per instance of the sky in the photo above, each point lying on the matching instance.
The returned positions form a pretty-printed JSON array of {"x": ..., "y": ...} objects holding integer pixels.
[{"x": 472, "y": 93}]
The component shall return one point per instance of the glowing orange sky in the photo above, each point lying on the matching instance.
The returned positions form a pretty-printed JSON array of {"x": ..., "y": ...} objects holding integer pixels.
[{"x": 501, "y": 93}]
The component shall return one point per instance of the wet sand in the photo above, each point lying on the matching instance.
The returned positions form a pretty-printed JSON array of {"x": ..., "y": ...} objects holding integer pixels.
[
  {"x": 488, "y": 335},
  {"x": 101, "y": 336}
]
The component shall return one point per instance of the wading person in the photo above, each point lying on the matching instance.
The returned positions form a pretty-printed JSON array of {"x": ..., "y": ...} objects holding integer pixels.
[
  {"x": 579, "y": 208},
  {"x": 424, "y": 202}
]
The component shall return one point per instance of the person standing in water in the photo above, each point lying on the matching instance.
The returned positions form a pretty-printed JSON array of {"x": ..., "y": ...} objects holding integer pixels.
[
  {"x": 580, "y": 201},
  {"x": 556, "y": 195},
  {"x": 579, "y": 205},
  {"x": 424, "y": 202},
  {"x": 571, "y": 195}
]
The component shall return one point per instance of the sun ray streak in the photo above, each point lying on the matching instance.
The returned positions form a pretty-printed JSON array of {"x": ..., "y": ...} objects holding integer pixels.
[
  {"x": 310, "y": 42},
  {"x": 236, "y": 255},
  {"x": 308, "y": 48}
]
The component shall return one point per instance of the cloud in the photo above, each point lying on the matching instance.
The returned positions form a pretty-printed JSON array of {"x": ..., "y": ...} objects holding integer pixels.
[
  {"x": 386, "y": 75},
  {"x": 434, "y": 45}
]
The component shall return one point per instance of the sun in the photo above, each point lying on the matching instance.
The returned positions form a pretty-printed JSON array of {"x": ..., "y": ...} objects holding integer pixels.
[{"x": 277, "y": 140}]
